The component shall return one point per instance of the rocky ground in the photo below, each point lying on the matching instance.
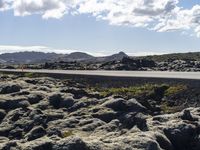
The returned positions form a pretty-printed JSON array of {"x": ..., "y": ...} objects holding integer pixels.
[
  {"x": 127, "y": 63},
  {"x": 51, "y": 114}
]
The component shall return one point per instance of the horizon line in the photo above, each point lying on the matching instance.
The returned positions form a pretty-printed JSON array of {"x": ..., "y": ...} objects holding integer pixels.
[{"x": 45, "y": 49}]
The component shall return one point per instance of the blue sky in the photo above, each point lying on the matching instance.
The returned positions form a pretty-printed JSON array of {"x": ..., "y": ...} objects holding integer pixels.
[{"x": 88, "y": 32}]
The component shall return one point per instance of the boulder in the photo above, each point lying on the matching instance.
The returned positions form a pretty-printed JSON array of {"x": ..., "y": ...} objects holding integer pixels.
[
  {"x": 14, "y": 103},
  {"x": 35, "y": 133},
  {"x": 116, "y": 104},
  {"x": 134, "y": 119},
  {"x": 67, "y": 102},
  {"x": 34, "y": 98},
  {"x": 121, "y": 104},
  {"x": 181, "y": 136},
  {"x": 11, "y": 145},
  {"x": 4, "y": 131},
  {"x": 163, "y": 141},
  {"x": 186, "y": 115},
  {"x": 105, "y": 116},
  {"x": 16, "y": 133},
  {"x": 39, "y": 144},
  {"x": 134, "y": 106},
  {"x": 2, "y": 114},
  {"x": 9, "y": 88},
  {"x": 143, "y": 141},
  {"x": 73, "y": 143},
  {"x": 92, "y": 124},
  {"x": 58, "y": 101},
  {"x": 78, "y": 93},
  {"x": 55, "y": 100}
]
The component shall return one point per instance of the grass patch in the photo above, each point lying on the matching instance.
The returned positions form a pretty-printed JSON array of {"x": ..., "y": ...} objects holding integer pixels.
[
  {"x": 169, "y": 109},
  {"x": 154, "y": 91},
  {"x": 67, "y": 134},
  {"x": 175, "y": 89},
  {"x": 132, "y": 91},
  {"x": 30, "y": 75},
  {"x": 33, "y": 75}
]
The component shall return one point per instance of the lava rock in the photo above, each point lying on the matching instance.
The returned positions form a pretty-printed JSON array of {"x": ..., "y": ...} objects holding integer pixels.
[
  {"x": 116, "y": 104},
  {"x": 8, "y": 88},
  {"x": 35, "y": 133},
  {"x": 34, "y": 98},
  {"x": 186, "y": 115},
  {"x": 131, "y": 119},
  {"x": 134, "y": 106},
  {"x": 55, "y": 100},
  {"x": 14, "y": 103},
  {"x": 2, "y": 114},
  {"x": 181, "y": 136},
  {"x": 74, "y": 143}
]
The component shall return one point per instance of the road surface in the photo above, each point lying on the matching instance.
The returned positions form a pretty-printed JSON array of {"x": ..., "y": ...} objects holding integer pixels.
[{"x": 142, "y": 74}]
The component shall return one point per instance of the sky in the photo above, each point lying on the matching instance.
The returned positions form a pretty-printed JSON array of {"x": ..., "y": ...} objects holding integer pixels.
[{"x": 100, "y": 27}]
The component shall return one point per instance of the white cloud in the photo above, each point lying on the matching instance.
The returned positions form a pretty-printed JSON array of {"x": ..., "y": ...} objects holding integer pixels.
[
  {"x": 99, "y": 53},
  {"x": 16, "y": 48},
  {"x": 48, "y": 8},
  {"x": 5, "y": 5},
  {"x": 158, "y": 15},
  {"x": 145, "y": 53}
]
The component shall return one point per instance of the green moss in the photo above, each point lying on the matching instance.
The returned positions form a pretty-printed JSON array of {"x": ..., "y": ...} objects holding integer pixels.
[
  {"x": 175, "y": 89},
  {"x": 29, "y": 75},
  {"x": 32, "y": 75},
  {"x": 66, "y": 134},
  {"x": 169, "y": 109},
  {"x": 131, "y": 91}
]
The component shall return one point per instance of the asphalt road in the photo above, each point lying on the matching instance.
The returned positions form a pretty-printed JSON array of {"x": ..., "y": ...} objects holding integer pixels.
[{"x": 142, "y": 74}]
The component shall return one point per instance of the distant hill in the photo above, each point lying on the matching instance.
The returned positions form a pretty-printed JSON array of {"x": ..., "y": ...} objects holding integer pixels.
[
  {"x": 118, "y": 56},
  {"x": 114, "y": 57},
  {"x": 84, "y": 57},
  {"x": 27, "y": 57},
  {"x": 76, "y": 56},
  {"x": 175, "y": 56},
  {"x": 40, "y": 57}
]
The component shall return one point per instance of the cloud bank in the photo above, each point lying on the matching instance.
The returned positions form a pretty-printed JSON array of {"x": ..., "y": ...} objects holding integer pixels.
[
  {"x": 19, "y": 48},
  {"x": 157, "y": 15}
]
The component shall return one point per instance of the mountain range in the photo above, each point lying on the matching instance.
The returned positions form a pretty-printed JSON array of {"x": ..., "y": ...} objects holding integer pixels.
[{"x": 41, "y": 57}]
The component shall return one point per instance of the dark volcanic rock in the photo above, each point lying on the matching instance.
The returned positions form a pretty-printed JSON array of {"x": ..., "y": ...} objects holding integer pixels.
[
  {"x": 2, "y": 114},
  {"x": 131, "y": 119},
  {"x": 106, "y": 116},
  {"x": 35, "y": 133},
  {"x": 58, "y": 101},
  {"x": 135, "y": 106},
  {"x": 16, "y": 133},
  {"x": 71, "y": 144},
  {"x": 181, "y": 136},
  {"x": 188, "y": 116},
  {"x": 7, "y": 89},
  {"x": 163, "y": 142},
  {"x": 78, "y": 93},
  {"x": 13, "y": 104},
  {"x": 116, "y": 104},
  {"x": 34, "y": 98},
  {"x": 55, "y": 100},
  {"x": 121, "y": 104},
  {"x": 11, "y": 145}
]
